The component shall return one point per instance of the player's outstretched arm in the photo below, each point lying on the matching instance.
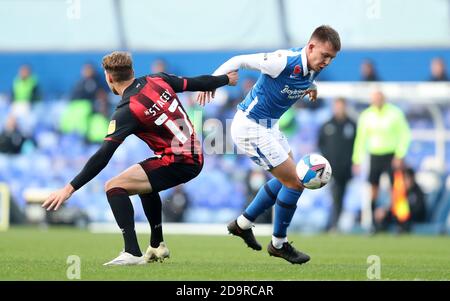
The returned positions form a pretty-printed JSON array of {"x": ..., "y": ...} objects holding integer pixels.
[
  {"x": 204, "y": 97},
  {"x": 249, "y": 61},
  {"x": 271, "y": 64},
  {"x": 211, "y": 82},
  {"x": 95, "y": 164},
  {"x": 199, "y": 83}
]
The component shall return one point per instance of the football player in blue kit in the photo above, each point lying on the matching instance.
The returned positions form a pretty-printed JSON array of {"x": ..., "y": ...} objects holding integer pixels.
[{"x": 286, "y": 76}]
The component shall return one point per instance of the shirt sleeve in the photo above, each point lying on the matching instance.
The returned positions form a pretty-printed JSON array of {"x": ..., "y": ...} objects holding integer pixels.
[
  {"x": 271, "y": 64},
  {"x": 95, "y": 164},
  {"x": 177, "y": 83},
  {"x": 122, "y": 124},
  {"x": 199, "y": 83},
  {"x": 206, "y": 82}
]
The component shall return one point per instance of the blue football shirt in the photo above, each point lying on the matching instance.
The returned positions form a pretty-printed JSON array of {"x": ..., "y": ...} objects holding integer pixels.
[{"x": 284, "y": 79}]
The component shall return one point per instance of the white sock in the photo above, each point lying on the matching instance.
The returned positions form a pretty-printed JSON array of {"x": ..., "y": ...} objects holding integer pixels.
[
  {"x": 244, "y": 223},
  {"x": 278, "y": 242}
]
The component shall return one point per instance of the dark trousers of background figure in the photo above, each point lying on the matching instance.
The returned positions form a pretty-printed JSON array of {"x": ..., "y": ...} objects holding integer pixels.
[
  {"x": 338, "y": 187},
  {"x": 390, "y": 220},
  {"x": 379, "y": 164}
]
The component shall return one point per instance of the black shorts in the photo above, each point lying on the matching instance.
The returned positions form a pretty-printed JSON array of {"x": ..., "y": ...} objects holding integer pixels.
[
  {"x": 378, "y": 165},
  {"x": 163, "y": 174}
]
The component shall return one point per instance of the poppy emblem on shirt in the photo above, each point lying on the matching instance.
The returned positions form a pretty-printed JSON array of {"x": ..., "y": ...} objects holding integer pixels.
[
  {"x": 111, "y": 127},
  {"x": 297, "y": 69}
]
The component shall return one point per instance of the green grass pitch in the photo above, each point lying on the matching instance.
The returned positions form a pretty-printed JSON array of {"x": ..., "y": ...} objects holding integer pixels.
[{"x": 33, "y": 254}]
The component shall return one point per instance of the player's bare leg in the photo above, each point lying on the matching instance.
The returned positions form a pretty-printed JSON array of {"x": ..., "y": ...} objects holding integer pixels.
[
  {"x": 134, "y": 180},
  {"x": 287, "y": 174}
]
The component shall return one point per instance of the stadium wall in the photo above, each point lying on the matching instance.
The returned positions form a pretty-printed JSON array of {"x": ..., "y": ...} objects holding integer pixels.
[{"x": 58, "y": 71}]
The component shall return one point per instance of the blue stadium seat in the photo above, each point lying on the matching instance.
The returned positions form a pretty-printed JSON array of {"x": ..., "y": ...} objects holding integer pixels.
[
  {"x": 446, "y": 115},
  {"x": 313, "y": 211}
]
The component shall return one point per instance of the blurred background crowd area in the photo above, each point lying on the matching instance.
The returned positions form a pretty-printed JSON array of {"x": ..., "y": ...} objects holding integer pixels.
[{"x": 55, "y": 105}]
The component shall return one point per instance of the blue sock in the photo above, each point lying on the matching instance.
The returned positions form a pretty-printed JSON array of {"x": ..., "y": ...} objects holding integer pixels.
[
  {"x": 264, "y": 199},
  {"x": 284, "y": 210}
]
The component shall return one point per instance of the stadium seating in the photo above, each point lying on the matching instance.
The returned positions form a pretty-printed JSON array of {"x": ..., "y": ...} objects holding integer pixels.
[{"x": 61, "y": 156}]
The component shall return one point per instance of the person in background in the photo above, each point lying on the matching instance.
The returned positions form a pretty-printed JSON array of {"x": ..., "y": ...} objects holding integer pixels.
[
  {"x": 159, "y": 65},
  {"x": 91, "y": 97},
  {"x": 175, "y": 205},
  {"x": 89, "y": 85},
  {"x": 25, "y": 86},
  {"x": 368, "y": 71},
  {"x": 11, "y": 139},
  {"x": 384, "y": 133},
  {"x": 416, "y": 201},
  {"x": 438, "y": 70},
  {"x": 336, "y": 140}
]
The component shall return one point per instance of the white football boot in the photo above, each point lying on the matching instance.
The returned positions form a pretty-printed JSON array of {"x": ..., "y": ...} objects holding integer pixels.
[
  {"x": 157, "y": 254},
  {"x": 125, "y": 258}
]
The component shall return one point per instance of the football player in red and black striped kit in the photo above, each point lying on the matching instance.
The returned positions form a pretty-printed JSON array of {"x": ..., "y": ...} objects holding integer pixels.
[{"x": 151, "y": 110}]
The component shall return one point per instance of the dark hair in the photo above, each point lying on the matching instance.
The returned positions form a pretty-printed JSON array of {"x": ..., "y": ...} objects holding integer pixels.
[
  {"x": 119, "y": 65},
  {"x": 341, "y": 99},
  {"x": 409, "y": 171},
  {"x": 325, "y": 33}
]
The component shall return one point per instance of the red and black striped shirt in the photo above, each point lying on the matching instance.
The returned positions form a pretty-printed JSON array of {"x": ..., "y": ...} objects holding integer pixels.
[{"x": 151, "y": 110}]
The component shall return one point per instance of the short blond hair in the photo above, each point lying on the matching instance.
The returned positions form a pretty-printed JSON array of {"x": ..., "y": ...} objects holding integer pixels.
[{"x": 119, "y": 65}]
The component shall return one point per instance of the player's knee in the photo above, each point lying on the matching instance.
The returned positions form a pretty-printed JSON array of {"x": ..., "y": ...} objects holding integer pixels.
[
  {"x": 108, "y": 185},
  {"x": 296, "y": 185},
  {"x": 111, "y": 183},
  {"x": 292, "y": 183}
]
